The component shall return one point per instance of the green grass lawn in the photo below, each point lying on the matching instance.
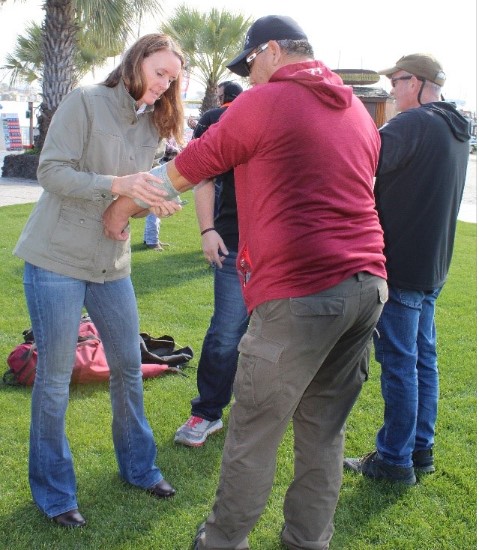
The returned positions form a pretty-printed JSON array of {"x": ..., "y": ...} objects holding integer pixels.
[{"x": 174, "y": 290}]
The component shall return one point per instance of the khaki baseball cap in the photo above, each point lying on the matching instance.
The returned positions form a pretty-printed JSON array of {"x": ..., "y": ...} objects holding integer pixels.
[{"x": 422, "y": 65}]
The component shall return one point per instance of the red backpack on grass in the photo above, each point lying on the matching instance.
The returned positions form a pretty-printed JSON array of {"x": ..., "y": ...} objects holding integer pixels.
[{"x": 158, "y": 357}]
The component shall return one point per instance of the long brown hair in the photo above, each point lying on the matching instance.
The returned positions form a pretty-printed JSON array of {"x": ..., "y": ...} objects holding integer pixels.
[{"x": 168, "y": 109}]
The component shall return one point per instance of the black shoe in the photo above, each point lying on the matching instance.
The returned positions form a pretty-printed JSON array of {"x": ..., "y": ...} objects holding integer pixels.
[
  {"x": 199, "y": 533},
  {"x": 73, "y": 518},
  {"x": 423, "y": 461},
  {"x": 373, "y": 466},
  {"x": 162, "y": 489}
]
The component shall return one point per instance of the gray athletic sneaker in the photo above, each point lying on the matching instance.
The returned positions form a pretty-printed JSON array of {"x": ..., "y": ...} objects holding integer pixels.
[
  {"x": 195, "y": 430},
  {"x": 372, "y": 465}
]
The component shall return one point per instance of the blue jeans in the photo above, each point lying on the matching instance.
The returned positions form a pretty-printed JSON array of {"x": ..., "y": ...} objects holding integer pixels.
[
  {"x": 219, "y": 355},
  {"x": 151, "y": 234},
  {"x": 405, "y": 346},
  {"x": 55, "y": 304}
]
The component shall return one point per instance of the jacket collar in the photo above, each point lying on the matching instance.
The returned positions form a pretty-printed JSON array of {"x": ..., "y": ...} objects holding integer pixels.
[{"x": 128, "y": 104}]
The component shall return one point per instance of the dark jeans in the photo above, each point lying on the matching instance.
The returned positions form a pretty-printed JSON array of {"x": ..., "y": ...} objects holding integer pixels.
[
  {"x": 405, "y": 345},
  {"x": 219, "y": 355}
]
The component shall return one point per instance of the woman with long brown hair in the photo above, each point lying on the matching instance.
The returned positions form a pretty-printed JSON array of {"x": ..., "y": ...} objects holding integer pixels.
[{"x": 100, "y": 145}]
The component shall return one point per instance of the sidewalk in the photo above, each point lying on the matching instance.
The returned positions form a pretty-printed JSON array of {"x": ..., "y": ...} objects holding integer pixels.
[
  {"x": 468, "y": 210},
  {"x": 17, "y": 191}
]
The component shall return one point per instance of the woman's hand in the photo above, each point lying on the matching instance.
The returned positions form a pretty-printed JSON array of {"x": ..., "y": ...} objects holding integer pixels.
[
  {"x": 115, "y": 221},
  {"x": 166, "y": 209},
  {"x": 139, "y": 186},
  {"x": 116, "y": 216}
]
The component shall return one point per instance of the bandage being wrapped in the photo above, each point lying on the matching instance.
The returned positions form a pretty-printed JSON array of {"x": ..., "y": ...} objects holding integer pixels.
[{"x": 160, "y": 172}]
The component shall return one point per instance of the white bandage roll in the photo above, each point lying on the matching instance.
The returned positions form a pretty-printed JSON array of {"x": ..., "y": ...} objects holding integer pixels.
[{"x": 160, "y": 172}]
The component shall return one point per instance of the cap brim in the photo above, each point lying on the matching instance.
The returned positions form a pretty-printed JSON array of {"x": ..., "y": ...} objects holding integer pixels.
[
  {"x": 238, "y": 64},
  {"x": 389, "y": 72}
]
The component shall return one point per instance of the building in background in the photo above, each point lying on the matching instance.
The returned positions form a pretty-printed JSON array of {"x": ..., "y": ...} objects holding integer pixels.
[
  {"x": 19, "y": 110},
  {"x": 378, "y": 102}
]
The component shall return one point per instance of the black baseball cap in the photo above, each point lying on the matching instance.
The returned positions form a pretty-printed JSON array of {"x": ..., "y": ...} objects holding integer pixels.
[{"x": 270, "y": 27}]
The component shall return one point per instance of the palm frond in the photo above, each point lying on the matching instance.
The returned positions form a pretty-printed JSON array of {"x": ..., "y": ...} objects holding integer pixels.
[{"x": 209, "y": 41}]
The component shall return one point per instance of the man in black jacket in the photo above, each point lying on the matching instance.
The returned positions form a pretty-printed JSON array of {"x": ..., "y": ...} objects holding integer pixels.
[
  {"x": 419, "y": 186},
  {"x": 218, "y": 221}
]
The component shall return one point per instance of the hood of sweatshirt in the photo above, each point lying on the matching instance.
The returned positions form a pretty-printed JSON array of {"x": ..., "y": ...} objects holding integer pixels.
[
  {"x": 320, "y": 80},
  {"x": 458, "y": 124}
]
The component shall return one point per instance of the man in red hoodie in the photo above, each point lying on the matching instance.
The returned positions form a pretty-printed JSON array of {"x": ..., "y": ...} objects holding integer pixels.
[{"x": 310, "y": 258}]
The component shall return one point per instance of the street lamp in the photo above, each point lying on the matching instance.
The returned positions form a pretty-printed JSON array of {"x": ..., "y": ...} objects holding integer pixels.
[{"x": 31, "y": 98}]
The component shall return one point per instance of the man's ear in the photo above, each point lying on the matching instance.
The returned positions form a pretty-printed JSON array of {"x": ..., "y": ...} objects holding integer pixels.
[{"x": 275, "y": 52}]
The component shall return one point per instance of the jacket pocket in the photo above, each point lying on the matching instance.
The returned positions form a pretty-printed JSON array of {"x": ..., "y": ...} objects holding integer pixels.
[
  {"x": 75, "y": 238},
  {"x": 259, "y": 377}
]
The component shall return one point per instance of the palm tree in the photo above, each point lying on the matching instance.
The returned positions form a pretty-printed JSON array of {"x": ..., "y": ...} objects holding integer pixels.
[
  {"x": 106, "y": 24},
  {"x": 209, "y": 40},
  {"x": 108, "y": 20},
  {"x": 25, "y": 63}
]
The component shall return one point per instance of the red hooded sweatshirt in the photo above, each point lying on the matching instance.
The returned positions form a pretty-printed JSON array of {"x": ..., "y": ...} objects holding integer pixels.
[{"x": 304, "y": 151}]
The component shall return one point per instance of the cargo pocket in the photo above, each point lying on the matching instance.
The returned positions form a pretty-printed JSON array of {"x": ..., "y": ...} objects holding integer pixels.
[
  {"x": 259, "y": 377},
  {"x": 314, "y": 305}
]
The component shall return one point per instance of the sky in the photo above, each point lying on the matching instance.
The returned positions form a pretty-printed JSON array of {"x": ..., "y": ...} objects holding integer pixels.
[{"x": 347, "y": 34}]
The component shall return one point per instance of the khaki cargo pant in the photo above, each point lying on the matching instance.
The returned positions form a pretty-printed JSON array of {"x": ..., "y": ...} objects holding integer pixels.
[{"x": 303, "y": 359}]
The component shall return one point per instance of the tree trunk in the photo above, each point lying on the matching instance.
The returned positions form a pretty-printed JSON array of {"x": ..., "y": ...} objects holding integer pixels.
[
  {"x": 59, "y": 31},
  {"x": 210, "y": 99}
]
